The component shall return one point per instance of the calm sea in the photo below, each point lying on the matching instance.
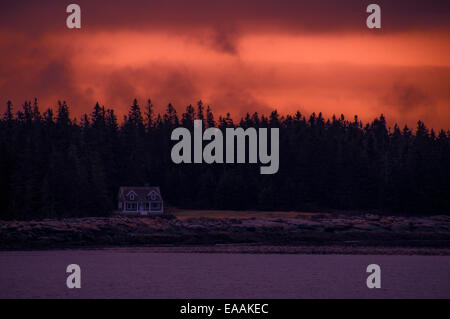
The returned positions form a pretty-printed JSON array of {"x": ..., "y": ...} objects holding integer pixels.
[{"x": 141, "y": 273}]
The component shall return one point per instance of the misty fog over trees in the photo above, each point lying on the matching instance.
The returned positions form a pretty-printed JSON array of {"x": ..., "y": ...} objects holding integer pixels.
[{"x": 53, "y": 166}]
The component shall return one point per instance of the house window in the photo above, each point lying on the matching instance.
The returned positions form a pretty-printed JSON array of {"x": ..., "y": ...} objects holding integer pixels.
[
  {"x": 131, "y": 207},
  {"x": 153, "y": 196},
  {"x": 156, "y": 206},
  {"x": 131, "y": 196}
]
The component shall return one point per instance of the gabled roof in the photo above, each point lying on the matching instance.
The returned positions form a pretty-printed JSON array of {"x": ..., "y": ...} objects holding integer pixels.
[{"x": 141, "y": 192}]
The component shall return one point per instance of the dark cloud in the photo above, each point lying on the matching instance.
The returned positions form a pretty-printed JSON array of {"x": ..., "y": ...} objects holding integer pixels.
[
  {"x": 408, "y": 98},
  {"x": 238, "y": 102},
  {"x": 243, "y": 15},
  {"x": 407, "y": 102},
  {"x": 162, "y": 83},
  {"x": 225, "y": 41},
  {"x": 120, "y": 88},
  {"x": 37, "y": 64},
  {"x": 225, "y": 21},
  {"x": 175, "y": 83},
  {"x": 53, "y": 80}
]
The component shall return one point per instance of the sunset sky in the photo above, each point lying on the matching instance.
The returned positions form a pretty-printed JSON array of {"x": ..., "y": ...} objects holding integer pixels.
[{"x": 238, "y": 56}]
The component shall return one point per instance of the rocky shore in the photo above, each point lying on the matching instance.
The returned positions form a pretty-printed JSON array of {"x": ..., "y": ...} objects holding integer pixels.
[{"x": 347, "y": 232}]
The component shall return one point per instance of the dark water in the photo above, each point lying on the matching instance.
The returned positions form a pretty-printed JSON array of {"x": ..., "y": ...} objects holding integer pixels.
[{"x": 140, "y": 273}]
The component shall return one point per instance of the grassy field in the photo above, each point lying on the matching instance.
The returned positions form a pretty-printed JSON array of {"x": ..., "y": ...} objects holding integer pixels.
[{"x": 242, "y": 214}]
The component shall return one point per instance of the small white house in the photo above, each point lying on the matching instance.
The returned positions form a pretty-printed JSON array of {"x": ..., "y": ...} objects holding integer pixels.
[{"x": 140, "y": 200}]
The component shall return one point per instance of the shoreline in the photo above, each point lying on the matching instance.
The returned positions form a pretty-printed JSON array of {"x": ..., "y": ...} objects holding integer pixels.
[
  {"x": 258, "y": 250},
  {"x": 367, "y": 234}
]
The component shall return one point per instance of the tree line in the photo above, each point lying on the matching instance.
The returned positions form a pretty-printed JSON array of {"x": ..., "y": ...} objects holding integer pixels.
[{"x": 53, "y": 165}]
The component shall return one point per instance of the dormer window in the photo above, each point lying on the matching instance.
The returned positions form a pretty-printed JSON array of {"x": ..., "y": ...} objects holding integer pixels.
[
  {"x": 131, "y": 195},
  {"x": 153, "y": 196}
]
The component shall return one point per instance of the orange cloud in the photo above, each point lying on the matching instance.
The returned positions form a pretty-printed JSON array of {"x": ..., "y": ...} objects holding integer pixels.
[{"x": 241, "y": 65}]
